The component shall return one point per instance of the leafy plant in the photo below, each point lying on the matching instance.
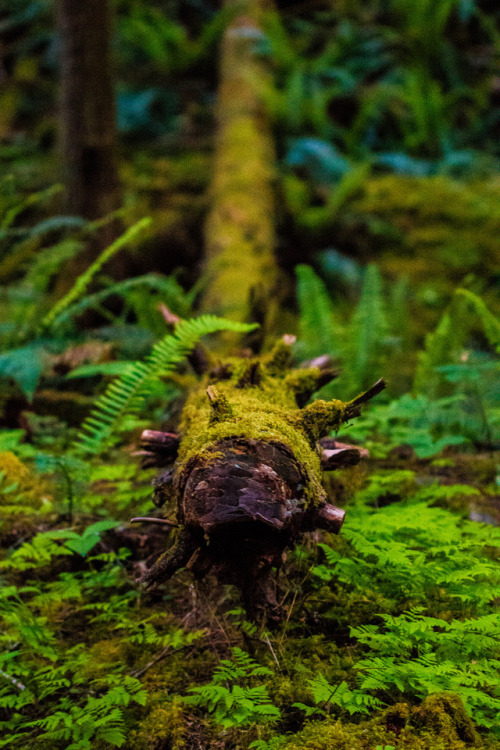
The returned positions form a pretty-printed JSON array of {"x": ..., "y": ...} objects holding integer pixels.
[
  {"x": 230, "y": 696},
  {"x": 446, "y": 343},
  {"x": 418, "y": 551},
  {"x": 418, "y": 655}
]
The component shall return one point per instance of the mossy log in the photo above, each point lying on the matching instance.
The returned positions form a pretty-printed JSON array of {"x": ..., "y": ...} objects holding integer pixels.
[
  {"x": 241, "y": 271},
  {"x": 248, "y": 471}
]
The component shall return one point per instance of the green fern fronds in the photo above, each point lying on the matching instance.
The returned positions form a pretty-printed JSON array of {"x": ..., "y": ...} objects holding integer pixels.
[
  {"x": 367, "y": 332},
  {"x": 231, "y": 698},
  {"x": 169, "y": 288},
  {"x": 443, "y": 345},
  {"x": 80, "y": 286},
  {"x": 491, "y": 325},
  {"x": 318, "y": 333},
  {"x": 124, "y": 394}
]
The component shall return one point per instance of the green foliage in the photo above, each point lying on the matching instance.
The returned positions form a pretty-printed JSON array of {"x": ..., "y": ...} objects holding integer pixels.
[
  {"x": 429, "y": 425},
  {"x": 318, "y": 331},
  {"x": 420, "y": 655},
  {"x": 80, "y": 286},
  {"x": 231, "y": 698},
  {"x": 401, "y": 606},
  {"x": 125, "y": 393},
  {"x": 447, "y": 342},
  {"x": 368, "y": 331},
  {"x": 413, "y": 551},
  {"x": 389, "y": 79},
  {"x": 456, "y": 401},
  {"x": 340, "y": 695},
  {"x": 360, "y": 345}
]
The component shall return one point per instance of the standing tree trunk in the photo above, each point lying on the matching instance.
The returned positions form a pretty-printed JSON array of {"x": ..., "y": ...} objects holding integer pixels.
[
  {"x": 87, "y": 137},
  {"x": 239, "y": 234}
]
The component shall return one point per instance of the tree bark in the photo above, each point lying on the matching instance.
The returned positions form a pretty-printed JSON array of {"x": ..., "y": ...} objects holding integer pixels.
[
  {"x": 239, "y": 233},
  {"x": 88, "y": 131}
]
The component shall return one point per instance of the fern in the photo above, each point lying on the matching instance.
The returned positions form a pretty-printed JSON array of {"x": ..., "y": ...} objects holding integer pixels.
[
  {"x": 317, "y": 329},
  {"x": 417, "y": 655},
  {"x": 340, "y": 695},
  {"x": 80, "y": 286},
  {"x": 367, "y": 332},
  {"x": 124, "y": 394},
  {"x": 230, "y": 698},
  {"x": 491, "y": 325},
  {"x": 167, "y": 286},
  {"x": 444, "y": 344},
  {"x": 414, "y": 552}
]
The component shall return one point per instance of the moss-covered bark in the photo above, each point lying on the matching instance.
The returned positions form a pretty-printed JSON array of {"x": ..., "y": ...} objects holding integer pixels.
[{"x": 239, "y": 233}]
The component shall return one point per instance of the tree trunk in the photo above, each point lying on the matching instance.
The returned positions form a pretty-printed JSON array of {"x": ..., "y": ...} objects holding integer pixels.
[
  {"x": 87, "y": 136},
  {"x": 239, "y": 233}
]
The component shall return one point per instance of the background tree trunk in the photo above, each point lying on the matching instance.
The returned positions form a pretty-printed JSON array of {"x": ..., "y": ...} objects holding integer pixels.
[{"x": 87, "y": 136}]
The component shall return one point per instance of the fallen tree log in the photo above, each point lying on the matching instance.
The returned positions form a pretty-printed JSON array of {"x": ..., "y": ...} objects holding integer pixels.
[
  {"x": 247, "y": 475},
  {"x": 241, "y": 271}
]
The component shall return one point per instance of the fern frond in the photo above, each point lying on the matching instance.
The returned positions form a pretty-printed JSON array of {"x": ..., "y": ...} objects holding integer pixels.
[
  {"x": 167, "y": 285},
  {"x": 491, "y": 325},
  {"x": 318, "y": 332},
  {"x": 368, "y": 330},
  {"x": 443, "y": 345},
  {"x": 80, "y": 286},
  {"x": 124, "y": 394}
]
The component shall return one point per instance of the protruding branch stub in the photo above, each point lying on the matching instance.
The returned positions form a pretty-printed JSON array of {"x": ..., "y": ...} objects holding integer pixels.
[
  {"x": 329, "y": 518},
  {"x": 221, "y": 408},
  {"x": 339, "y": 458},
  {"x": 278, "y": 360},
  {"x": 159, "y": 521},
  {"x": 321, "y": 417},
  {"x": 158, "y": 448}
]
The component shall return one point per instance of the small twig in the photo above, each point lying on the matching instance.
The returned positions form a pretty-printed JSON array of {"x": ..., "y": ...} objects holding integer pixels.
[
  {"x": 271, "y": 649},
  {"x": 163, "y": 521},
  {"x": 166, "y": 652},
  {"x": 288, "y": 616},
  {"x": 170, "y": 318},
  {"x": 16, "y": 683}
]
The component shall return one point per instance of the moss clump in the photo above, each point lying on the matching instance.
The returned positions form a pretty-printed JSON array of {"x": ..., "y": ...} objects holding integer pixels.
[
  {"x": 332, "y": 735},
  {"x": 320, "y": 417},
  {"x": 440, "y": 723},
  {"x": 444, "y": 715},
  {"x": 435, "y": 227},
  {"x": 26, "y": 490},
  {"x": 164, "y": 727}
]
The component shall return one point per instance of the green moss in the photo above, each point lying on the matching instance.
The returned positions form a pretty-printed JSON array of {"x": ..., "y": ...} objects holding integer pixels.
[
  {"x": 257, "y": 399},
  {"x": 440, "y": 723},
  {"x": 265, "y": 412},
  {"x": 239, "y": 233},
  {"x": 258, "y": 413},
  {"x": 332, "y": 735},
  {"x": 320, "y": 417},
  {"x": 303, "y": 382},
  {"x": 221, "y": 409},
  {"x": 26, "y": 490},
  {"x": 436, "y": 228},
  {"x": 164, "y": 727},
  {"x": 444, "y": 715}
]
